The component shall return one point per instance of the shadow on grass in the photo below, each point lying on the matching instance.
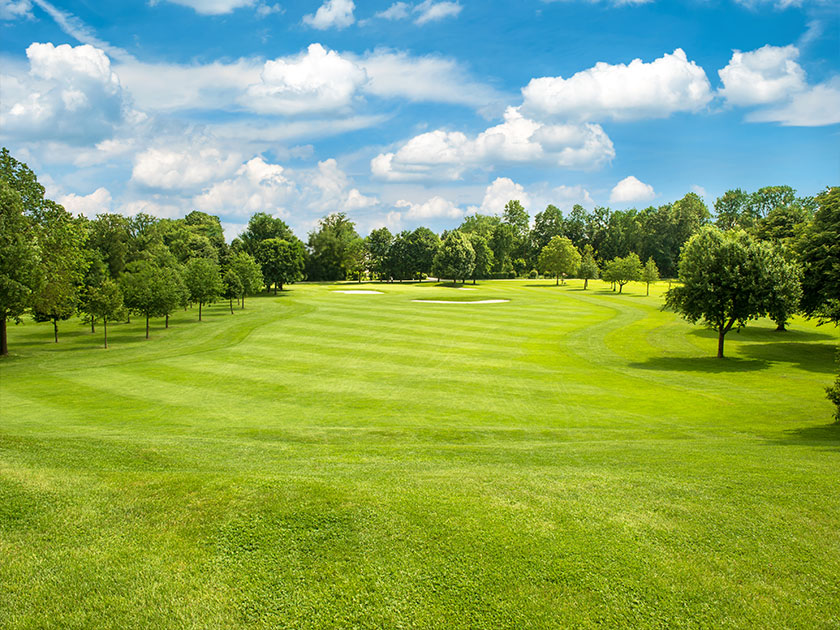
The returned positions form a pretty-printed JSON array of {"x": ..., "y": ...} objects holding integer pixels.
[
  {"x": 765, "y": 334},
  {"x": 826, "y": 435},
  {"x": 813, "y": 357},
  {"x": 711, "y": 365}
]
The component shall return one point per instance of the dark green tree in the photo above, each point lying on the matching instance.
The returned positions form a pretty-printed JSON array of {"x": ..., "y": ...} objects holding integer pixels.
[
  {"x": 456, "y": 257},
  {"x": 232, "y": 287},
  {"x": 106, "y": 301},
  {"x": 203, "y": 281},
  {"x": 249, "y": 273},
  {"x": 560, "y": 258},
  {"x": 281, "y": 262},
  {"x": 483, "y": 256},
  {"x": 378, "y": 243},
  {"x": 547, "y": 224},
  {"x": 261, "y": 227},
  {"x": 422, "y": 246},
  {"x": 329, "y": 247},
  {"x": 650, "y": 273},
  {"x": 588, "y": 266},
  {"x": 623, "y": 270}
]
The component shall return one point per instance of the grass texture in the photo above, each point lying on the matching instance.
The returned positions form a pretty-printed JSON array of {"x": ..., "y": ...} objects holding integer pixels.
[{"x": 568, "y": 458}]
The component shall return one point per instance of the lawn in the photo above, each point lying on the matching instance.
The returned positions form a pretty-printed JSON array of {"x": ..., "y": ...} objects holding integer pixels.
[{"x": 567, "y": 458}]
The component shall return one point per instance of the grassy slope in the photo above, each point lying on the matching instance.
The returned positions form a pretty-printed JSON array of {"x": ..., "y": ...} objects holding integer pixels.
[{"x": 326, "y": 460}]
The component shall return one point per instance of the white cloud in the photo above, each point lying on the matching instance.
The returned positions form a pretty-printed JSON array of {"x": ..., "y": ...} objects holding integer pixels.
[
  {"x": 329, "y": 188},
  {"x": 564, "y": 197},
  {"x": 762, "y": 76},
  {"x": 445, "y": 154},
  {"x": 498, "y": 193},
  {"x": 88, "y": 205},
  {"x": 434, "y": 208},
  {"x": 699, "y": 190},
  {"x": 213, "y": 7},
  {"x": 14, "y": 9},
  {"x": 155, "y": 205},
  {"x": 317, "y": 81},
  {"x": 78, "y": 30},
  {"x": 429, "y": 78},
  {"x": 183, "y": 169},
  {"x": 815, "y": 107},
  {"x": 71, "y": 94},
  {"x": 631, "y": 190},
  {"x": 332, "y": 14},
  {"x": 431, "y": 11},
  {"x": 257, "y": 186},
  {"x": 669, "y": 84},
  {"x": 397, "y": 11}
]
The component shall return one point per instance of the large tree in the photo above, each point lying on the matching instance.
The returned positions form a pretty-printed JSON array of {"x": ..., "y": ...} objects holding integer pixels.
[
  {"x": 560, "y": 258},
  {"x": 18, "y": 259},
  {"x": 624, "y": 269},
  {"x": 483, "y": 256},
  {"x": 203, "y": 281},
  {"x": 423, "y": 244},
  {"x": 378, "y": 243},
  {"x": 456, "y": 257},
  {"x": 106, "y": 301},
  {"x": 329, "y": 247},
  {"x": 261, "y": 227},
  {"x": 281, "y": 261},
  {"x": 726, "y": 278},
  {"x": 249, "y": 273}
]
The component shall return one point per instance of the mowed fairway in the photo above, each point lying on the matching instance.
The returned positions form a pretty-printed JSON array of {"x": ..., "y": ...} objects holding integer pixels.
[{"x": 328, "y": 460}]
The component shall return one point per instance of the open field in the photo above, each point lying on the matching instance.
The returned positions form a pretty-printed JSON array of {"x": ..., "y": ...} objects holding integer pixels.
[{"x": 319, "y": 460}]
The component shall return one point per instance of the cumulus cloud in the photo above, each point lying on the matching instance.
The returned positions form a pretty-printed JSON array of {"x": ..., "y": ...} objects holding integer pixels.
[
  {"x": 762, "y": 76},
  {"x": 446, "y": 154},
  {"x": 332, "y": 14},
  {"x": 71, "y": 94},
  {"x": 14, "y": 9},
  {"x": 814, "y": 107},
  {"x": 329, "y": 188},
  {"x": 669, "y": 84},
  {"x": 88, "y": 205},
  {"x": 257, "y": 186},
  {"x": 631, "y": 190},
  {"x": 498, "y": 193},
  {"x": 182, "y": 169},
  {"x": 565, "y": 197},
  {"x": 397, "y": 11},
  {"x": 316, "y": 81},
  {"x": 434, "y": 208}
]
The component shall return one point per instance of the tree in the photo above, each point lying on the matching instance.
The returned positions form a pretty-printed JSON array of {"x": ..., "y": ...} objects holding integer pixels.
[
  {"x": 726, "y": 278},
  {"x": 560, "y": 258},
  {"x": 106, "y": 301},
  {"x": 731, "y": 210},
  {"x": 249, "y": 273},
  {"x": 203, "y": 282},
  {"x": 329, "y": 247},
  {"x": 456, "y": 257},
  {"x": 169, "y": 290},
  {"x": 358, "y": 258},
  {"x": 588, "y": 267},
  {"x": 503, "y": 243},
  {"x": 624, "y": 270},
  {"x": 820, "y": 255},
  {"x": 482, "y": 224},
  {"x": 547, "y": 224},
  {"x": 232, "y": 287},
  {"x": 650, "y": 273},
  {"x": 786, "y": 287},
  {"x": 18, "y": 259},
  {"x": 281, "y": 261},
  {"x": 398, "y": 260},
  {"x": 137, "y": 284},
  {"x": 261, "y": 227},
  {"x": 378, "y": 243},
  {"x": 422, "y": 244},
  {"x": 483, "y": 256},
  {"x": 61, "y": 239}
]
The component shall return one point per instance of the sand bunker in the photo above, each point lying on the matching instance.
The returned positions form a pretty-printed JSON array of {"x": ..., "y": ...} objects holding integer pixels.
[
  {"x": 461, "y": 301},
  {"x": 360, "y": 292}
]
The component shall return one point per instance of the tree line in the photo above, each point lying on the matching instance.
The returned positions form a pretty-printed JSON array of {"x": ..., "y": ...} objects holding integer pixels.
[{"x": 780, "y": 252}]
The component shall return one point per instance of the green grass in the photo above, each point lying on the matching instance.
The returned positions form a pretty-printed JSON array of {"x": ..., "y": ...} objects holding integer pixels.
[{"x": 566, "y": 459}]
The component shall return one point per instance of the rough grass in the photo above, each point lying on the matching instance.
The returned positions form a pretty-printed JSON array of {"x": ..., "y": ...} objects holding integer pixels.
[{"x": 566, "y": 459}]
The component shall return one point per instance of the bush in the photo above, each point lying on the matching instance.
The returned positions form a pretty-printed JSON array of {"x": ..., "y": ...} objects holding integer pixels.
[{"x": 533, "y": 274}]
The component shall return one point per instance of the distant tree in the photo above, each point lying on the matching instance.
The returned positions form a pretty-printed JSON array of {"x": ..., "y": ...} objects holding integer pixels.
[
  {"x": 482, "y": 224},
  {"x": 95, "y": 275},
  {"x": 232, "y": 287},
  {"x": 516, "y": 215},
  {"x": 378, "y": 243},
  {"x": 358, "y": 258},
  {"x": 281, "y": 262},
  {"x": 106, "y": 301},
  {"x": 588, "y": 267},
  {"x": 727, "y": 279},
  {"x": 456, "y": 257},
  {"x": 62, "y": 241},
  {"x": 203, "y": 281},
  {"x": 19, "y": 259},
  {"x": 249, "y": 273},
  {"x": 261, "y": 227},
  {"x": 560, "y": 258},
  {"x": 398, "y": 259},
  {"x": 732, "y": 210},
  {"x": 650, "y": 273},
  {"x": 483, "y": 256},
  {"x": 503, "y": 243},
  {"x": 624, "y": 270},
  {"x": 766, "y": 199},
  {"x": 575, "y": 226},
  {"x": 786, "y": 287},
  {"x": 170, "y": 290},
  {"x": 422, "y": 244},
  {"x": 819, "y": 249},
  {"x": 329, "y": 247},
  {"x": 547, "y": 224},
  {"x": 138, "y": 283}
]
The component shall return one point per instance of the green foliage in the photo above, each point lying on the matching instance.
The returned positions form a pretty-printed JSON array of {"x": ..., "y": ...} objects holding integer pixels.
[
  {"x": 547, "y": 224},
  {"x": 330, "y": 247},
  {"x": 203, "y": 281},
  {"x": 456, "y": 257},
  {"x": 281, "y": 261},
  {"x": 261, "y": 227},
  {"x": 623, "y": 270},
  {"x": 483, "y": 256},
  {"x": 378, "y": 244},
  {"x": 422, "y": 245},
  {"x": 482, "y": 224},
  {"x": 106, "y": 301},
  {"x": 358, "y": 258},
  {"x": 588, "y": 269},
  {"x": 820, "y": 255},
  {"x": 249, "y": 273},
  {"x": 650, "y": 273},
  {"x": 559, "y": 258}
]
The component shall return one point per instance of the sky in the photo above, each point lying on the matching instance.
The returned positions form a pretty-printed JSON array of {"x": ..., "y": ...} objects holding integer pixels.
[{"x": 416, "y": 112}]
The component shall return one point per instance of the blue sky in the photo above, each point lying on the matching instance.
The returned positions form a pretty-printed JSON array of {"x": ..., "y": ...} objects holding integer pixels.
[{"x": 416, "y": 113}]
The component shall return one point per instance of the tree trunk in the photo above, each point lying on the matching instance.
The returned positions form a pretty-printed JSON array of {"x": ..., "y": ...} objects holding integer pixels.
[
  {"x": 147, "y": 326},
  {"x": 585, "y": 283},
  {"x": 199, "y": 309},
  {"x": 647, "y": 291},
  {"x": 231, "y": 306},
  {"x": 167, "y": 320},
  {"x": 4, "y": 348},
  {"x": 720, "y": 344},
  {"x": 105, "y": 326},
  {"x": 556, "y": 281},
  {"x": 275, "y": 288},
  {"x": 243, "y": 300},
  {"x": 55, "y": 329},
  {"x": 620, "y": 287},
  {"x": 281, "y": 288},
  {"x": 92, "y": 323},
  {"x": 781, "y": 327},
  {"x": 473, "y": 279}
]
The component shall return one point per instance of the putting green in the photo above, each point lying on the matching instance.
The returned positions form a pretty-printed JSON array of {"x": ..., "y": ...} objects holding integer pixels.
[{"x": 568, "y": 459}]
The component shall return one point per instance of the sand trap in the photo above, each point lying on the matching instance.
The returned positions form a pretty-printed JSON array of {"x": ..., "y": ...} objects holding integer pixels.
[
  {"x": 360, "y": 292},
  {"x": 461, "y": 301},
  {"x": 466, "y": 289}
]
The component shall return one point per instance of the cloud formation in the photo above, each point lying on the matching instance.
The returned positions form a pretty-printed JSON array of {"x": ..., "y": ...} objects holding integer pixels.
[
  {"x": 636, "y": 90},
  {"x": 761, "y": 76},
  {"x": 631, "y": 190},
  {"x": 332, "y": 14}
]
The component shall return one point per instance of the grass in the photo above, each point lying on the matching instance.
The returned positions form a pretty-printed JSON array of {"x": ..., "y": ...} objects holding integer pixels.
[{"x": 566, "y": 459}]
